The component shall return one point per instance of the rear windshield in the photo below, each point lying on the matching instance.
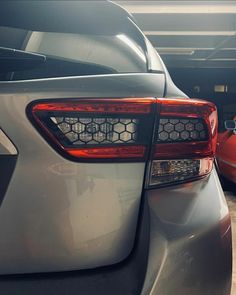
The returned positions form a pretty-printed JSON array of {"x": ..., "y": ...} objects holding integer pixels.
[{"x": 75, "y": 54}]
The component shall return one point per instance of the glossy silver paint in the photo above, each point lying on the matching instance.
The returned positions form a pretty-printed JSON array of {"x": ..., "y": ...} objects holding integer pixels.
[
  {"x": 183, "y": 247},
  {"x": 60, "y": 215}
]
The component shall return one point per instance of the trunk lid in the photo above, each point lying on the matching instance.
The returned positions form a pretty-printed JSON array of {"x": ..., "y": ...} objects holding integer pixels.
[{"x": 57, "y": 214}]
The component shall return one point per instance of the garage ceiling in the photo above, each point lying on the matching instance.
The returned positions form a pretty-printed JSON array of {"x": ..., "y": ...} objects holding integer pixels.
[{"x": 189, "y": 33}]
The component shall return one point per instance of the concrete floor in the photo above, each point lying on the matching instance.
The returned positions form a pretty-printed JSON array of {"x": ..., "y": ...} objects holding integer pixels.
[{"x": 231, "y": 199}]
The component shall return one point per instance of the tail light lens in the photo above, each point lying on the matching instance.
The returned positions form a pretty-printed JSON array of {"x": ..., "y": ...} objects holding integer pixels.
[
  {"x": 177, "y": 137},
  {"x": 184, "y": 141},
  {"x": 178, "y": 170},
  {"x": 96, "y": 129}
]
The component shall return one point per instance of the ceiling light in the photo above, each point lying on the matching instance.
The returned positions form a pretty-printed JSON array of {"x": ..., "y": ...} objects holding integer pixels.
[
  {"x": 175, "y": 51},
  {"x": 190, "y": 33},
  {"x": 176, "y": 7}
]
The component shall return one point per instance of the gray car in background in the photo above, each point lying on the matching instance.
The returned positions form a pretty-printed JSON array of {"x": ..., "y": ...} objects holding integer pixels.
[{"x": 107, "y": 178}]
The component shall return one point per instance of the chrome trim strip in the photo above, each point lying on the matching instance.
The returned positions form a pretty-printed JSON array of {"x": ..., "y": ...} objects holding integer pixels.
[{"x": 6, "y": 146}]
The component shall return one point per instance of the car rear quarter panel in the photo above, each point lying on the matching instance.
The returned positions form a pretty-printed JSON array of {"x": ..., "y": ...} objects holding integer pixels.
[{"x": 190, "y": 240}]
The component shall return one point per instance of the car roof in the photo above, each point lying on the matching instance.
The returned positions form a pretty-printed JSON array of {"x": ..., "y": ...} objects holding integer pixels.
[{"x": 85, "y": 17}]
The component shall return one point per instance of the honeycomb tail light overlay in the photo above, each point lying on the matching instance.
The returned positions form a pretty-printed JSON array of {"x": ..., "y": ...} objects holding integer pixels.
[
  {"x": 184, "y": 141},
  {"x": 96, "y": 129},
  {"x": 176, "y": 137}
]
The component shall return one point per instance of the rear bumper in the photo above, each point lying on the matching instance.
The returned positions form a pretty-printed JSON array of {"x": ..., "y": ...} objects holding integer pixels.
[{"x": 183, "y": 247}]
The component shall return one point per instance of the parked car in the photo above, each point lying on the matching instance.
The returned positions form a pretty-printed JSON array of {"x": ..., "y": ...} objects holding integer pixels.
[
  {"x": 226, "y": 146},
  {"x": 107, "y": 177}
]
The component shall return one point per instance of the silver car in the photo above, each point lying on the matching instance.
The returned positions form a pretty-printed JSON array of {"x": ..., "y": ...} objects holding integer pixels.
[{"x": 107, "y": 178}]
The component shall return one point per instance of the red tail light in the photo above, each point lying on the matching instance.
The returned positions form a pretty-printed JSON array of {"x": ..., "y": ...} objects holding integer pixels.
[
  {"x": 184, "y": 141},
  {"x": 103, "y": 106},
  {"x": 179, "y": 135},
  {"x": 186, "y": 128},
  {"x": 119, "y": 152},
  {"x": 96, "y": 129}
]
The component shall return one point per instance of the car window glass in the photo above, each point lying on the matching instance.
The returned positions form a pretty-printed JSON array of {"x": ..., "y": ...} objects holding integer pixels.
[{"x": 76, "y": 54}]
